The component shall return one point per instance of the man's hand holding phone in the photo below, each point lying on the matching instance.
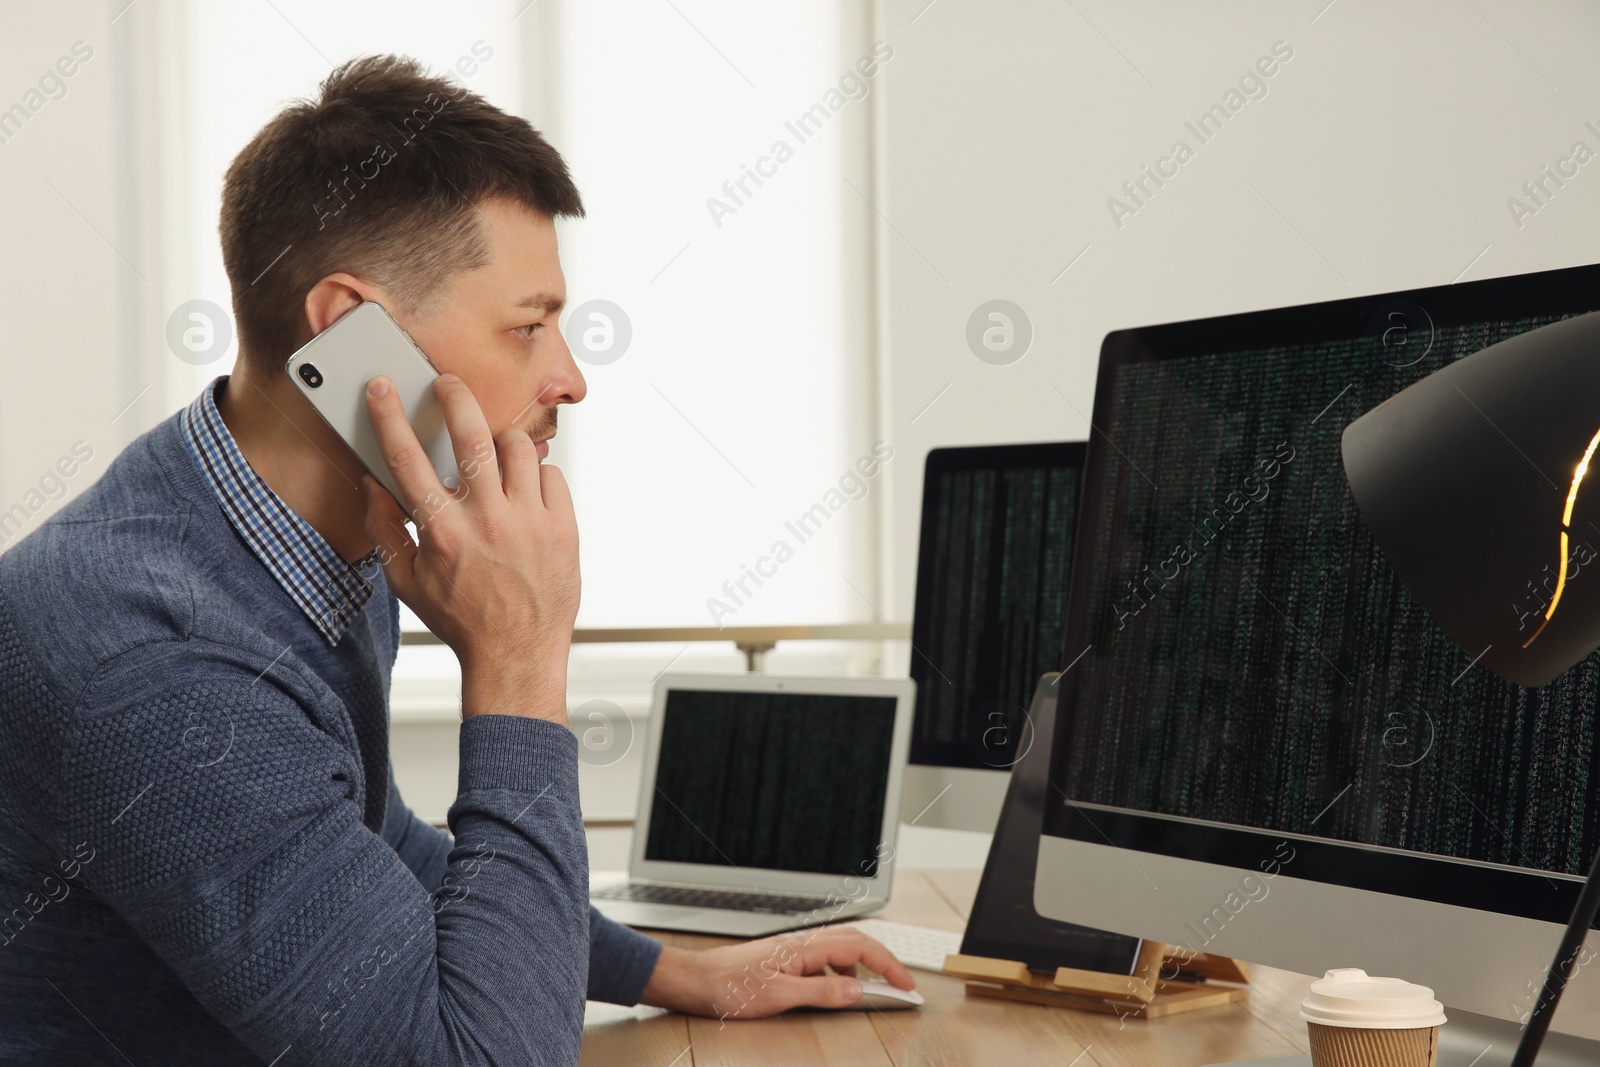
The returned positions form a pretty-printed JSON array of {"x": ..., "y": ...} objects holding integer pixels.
[{"x": 496, "y": 572}]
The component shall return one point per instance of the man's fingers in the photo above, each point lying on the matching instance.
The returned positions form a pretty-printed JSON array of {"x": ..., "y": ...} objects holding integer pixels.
[
  {"x": 402, "y": 452},
  {"x": 841, "y": 947},
  {"x": 815, "y": 991},
  {"x": 470, "y": 437},
  {"x": 553, "y": 489},
  {"x": 519, "y": 458}
]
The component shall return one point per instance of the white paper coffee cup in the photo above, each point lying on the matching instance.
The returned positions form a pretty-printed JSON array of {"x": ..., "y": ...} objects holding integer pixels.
[{"x": 1356, "y": 1020}]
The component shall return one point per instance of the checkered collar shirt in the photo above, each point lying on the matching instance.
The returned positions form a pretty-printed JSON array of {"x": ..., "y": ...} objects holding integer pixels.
[{"x": 329, "y": 589}]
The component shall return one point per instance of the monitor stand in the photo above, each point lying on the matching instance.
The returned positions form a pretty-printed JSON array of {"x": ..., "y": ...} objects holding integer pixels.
[{"x": 1470, "y": 1040}]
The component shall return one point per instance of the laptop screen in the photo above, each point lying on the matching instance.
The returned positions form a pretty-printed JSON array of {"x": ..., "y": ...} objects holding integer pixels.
[{"x": 782, "y": 781}]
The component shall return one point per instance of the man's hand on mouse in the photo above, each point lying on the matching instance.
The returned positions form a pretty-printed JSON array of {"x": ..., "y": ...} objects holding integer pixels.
[{"x": 771, "y": 975}]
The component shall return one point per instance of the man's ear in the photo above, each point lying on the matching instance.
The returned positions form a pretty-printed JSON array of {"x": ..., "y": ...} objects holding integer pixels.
[{"x": 333, "y": 296}]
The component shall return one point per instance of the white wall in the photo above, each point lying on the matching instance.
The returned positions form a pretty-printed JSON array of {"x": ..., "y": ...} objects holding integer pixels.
[
  {"x": 81, "y": 269},
  {"x": 1381, "y": 158}
]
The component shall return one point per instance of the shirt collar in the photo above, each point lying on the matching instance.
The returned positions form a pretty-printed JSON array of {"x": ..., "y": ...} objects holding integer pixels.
[{"x": 330, "y": 590}]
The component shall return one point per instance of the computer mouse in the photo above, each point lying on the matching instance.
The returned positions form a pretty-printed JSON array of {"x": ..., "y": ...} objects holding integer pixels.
[{"x": 881, "y": 996}]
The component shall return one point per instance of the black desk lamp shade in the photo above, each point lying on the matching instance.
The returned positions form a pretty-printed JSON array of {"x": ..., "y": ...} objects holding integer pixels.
[{"x": 1475, "y": 482}]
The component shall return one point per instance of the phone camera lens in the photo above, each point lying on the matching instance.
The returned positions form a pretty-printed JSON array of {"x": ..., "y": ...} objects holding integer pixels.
[{"x": 310, "y": 375}]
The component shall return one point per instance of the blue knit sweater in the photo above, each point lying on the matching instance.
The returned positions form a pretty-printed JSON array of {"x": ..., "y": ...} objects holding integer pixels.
[{"x": 203, "y": 856}]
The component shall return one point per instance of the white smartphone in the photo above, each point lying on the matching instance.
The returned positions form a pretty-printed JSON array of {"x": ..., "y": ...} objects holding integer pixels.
[{"x": 332, "y": 371}]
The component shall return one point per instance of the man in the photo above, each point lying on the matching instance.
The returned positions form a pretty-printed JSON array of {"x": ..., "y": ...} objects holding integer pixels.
[{"x": 203, "y": 855}]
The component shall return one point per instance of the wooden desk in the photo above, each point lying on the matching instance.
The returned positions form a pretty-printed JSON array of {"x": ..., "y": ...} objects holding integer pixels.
[{"x": 952, "y": 1028}]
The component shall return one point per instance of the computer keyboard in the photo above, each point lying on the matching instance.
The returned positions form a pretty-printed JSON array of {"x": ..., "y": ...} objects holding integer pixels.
[
  {"x": 729, "y": 900},
  {"x": 914, "y": 946}
]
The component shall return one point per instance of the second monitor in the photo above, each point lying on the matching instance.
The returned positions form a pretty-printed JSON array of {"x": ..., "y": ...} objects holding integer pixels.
[{"x": 993, "y": 566}]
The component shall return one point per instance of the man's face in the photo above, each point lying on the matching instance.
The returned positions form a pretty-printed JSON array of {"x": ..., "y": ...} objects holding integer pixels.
[{"x": 497, "y": 327}]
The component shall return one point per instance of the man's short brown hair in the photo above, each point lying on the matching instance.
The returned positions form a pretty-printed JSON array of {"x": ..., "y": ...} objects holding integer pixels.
[{"x": 378, "y": 177}]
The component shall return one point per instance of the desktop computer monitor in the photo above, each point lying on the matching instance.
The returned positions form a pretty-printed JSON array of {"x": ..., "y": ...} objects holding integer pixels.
[
  {"x": 993, "y": 566},
  {"x": 1265, "y": 747}
]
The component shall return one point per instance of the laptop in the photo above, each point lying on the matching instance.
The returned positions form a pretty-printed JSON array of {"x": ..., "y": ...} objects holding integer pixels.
[{"x": 766, "y": 803}]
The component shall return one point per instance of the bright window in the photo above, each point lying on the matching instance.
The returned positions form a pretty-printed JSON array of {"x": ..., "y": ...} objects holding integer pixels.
[{"x": 740, "y": 414}]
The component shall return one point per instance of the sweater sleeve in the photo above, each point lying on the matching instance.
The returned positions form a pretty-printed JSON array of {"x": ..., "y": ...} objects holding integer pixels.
[
  {"x": 226, "y": 817},
  {"x": 620, "y": 961},
  {"x": 424, "y": 849}
]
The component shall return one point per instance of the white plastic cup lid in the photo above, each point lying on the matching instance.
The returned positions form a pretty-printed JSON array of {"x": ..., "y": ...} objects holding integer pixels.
[{"x": 1348, "y": 996}]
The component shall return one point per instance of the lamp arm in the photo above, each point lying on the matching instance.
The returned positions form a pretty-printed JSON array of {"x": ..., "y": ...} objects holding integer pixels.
[{"x": 1562, "y": 968}]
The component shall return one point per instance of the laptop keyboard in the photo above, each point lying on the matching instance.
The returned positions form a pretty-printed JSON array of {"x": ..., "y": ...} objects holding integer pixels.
[{"x": 726, "y": 900}]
